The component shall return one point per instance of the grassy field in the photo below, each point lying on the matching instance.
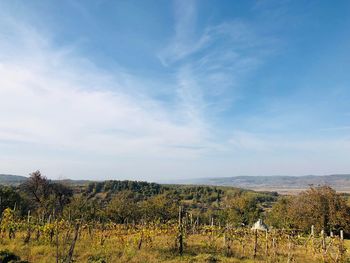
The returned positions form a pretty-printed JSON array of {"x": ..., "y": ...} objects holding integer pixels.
[{"x": 161, "y": 244}]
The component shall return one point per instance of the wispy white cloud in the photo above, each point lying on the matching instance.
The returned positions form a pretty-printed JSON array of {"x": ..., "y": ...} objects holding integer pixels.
[
  {"x": 52, "y": 97},
  {"x": 211, "y": 62},
  {"x": 236, "y": 37},
  {"x": 190, "y": 95},
  {"x": 185, "y": 40}
]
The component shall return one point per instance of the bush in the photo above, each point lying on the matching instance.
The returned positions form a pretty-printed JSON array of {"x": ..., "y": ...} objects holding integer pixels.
[
  {"x": 9, "y": 257},
  {"x": 96, "y": 259}
]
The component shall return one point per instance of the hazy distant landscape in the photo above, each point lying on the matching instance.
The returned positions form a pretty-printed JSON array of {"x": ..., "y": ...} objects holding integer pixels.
[{"x": 280, "y": 184}]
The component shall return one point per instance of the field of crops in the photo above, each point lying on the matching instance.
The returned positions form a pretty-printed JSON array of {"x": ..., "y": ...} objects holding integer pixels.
[{"x": 185, "y": 241}]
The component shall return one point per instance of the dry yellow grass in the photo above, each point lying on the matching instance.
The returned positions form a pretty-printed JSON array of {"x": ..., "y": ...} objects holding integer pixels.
[{"x": 160, "y": 247}]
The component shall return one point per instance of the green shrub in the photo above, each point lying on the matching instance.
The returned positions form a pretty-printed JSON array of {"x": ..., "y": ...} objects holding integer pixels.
[
  {"x": 9, "y": 257},
  {"x": 97, "y": 259}
]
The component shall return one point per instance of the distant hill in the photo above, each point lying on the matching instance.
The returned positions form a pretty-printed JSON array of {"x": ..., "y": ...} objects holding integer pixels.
[
  {"x": 9, "y": 179},
  {"x": 281, "y": 184},
  {"x": 277, "y": 183}
]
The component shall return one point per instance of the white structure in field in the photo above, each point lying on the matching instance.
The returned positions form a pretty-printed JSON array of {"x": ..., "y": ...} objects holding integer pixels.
[{"x": 259, "y": 225}]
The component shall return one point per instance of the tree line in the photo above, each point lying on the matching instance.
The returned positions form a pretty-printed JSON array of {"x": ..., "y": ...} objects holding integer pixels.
[{"x": 137, "y": 202}]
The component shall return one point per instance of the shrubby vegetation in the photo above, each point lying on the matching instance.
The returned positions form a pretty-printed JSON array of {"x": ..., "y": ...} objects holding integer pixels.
[
  {"x": 12, "y": 198},
  {"x": 318, "y": 206},
  {"x": 135, "y": 202}
]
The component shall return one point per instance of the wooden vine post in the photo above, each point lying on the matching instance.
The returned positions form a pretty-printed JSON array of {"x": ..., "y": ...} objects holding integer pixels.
[
  {"x": 255, "y": 242},
  {"x": 266, "y": 243},
  {"x": 323, "y": 240},
  {"x": 69, "y": 257},
  {"x": 57, "y": 253},
  {"x": 227, "y": 242},
  {"x": 274, "y": 247},
  {"x": 312, "y": 238},
  {"x": 29, "y": 230},
  {"x": 289, "y": 248},
  {"x": 258, "y": 226},
  {"x": 180, "y": 235}
]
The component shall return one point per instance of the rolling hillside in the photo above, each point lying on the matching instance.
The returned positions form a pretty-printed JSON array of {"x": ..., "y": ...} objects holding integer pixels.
[{"x": 9, "y": 179}]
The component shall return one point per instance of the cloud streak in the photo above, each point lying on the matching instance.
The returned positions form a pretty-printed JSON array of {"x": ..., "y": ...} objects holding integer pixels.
[
  {"x": 211, "y": 63},
  {"x": 50, "y": 96}
]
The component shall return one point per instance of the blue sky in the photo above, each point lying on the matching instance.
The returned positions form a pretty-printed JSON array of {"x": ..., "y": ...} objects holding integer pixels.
[{"x": 155, "y": 90}]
